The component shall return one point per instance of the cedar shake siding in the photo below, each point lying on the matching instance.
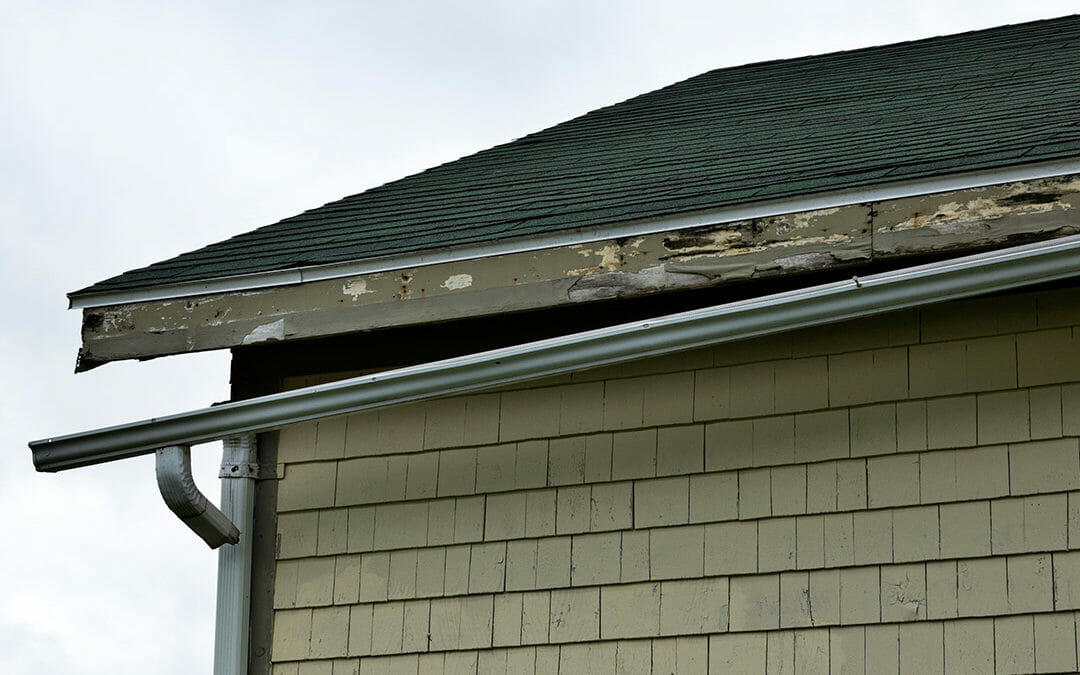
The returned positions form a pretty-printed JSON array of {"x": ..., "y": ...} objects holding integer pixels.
[{"x": 899, "y": 494}]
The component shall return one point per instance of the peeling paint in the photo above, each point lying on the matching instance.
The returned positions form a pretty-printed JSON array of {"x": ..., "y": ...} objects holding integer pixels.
[
  {"x": 660, "y": 262},
  {"x": 457, "y": 281},
  {"x": 961, "y": 217},
  {"x": 611, "y": 258},
  {"x": 406, "y": 279},
  {"x": 113, "y": 322},
  {"x": 805, "y": 219},
  {"x": 831, "y": 240},
  {"x": 1020, "y": 199},
  {"x": 976, "y": 217},
  {"x": 713, "y": 240},
  {"x": 775, "y": 257},
  {"x": 620, "y": 284},
  {"x": 219, "y": 317},
  {"x": 161, "y": 330},
  {"x": 267, "y": 331},
  {"x": 355, "y": 288}
]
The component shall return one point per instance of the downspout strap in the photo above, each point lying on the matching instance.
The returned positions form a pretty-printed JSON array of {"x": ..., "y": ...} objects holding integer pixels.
[{"x": 238, "y": 457}]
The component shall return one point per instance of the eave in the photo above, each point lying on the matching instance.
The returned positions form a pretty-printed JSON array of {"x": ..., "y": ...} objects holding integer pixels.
[
  {"x": 951, "y": 215},
  {"x": 970, "y": 276}
]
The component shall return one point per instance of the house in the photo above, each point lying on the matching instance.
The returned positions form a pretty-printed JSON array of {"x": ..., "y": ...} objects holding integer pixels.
[{"x": 775, "y": 368}]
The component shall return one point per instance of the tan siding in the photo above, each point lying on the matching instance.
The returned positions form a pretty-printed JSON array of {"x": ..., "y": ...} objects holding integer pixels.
[{"x": 843, "y": 499}]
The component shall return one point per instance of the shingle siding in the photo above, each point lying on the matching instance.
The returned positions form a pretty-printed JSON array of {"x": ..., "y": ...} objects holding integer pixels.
[{"x": 927, "y": 525}]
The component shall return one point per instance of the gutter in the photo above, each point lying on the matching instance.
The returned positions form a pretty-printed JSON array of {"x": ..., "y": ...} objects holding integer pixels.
[
  {"x": 762, "y": 209},
  {"x": 859, "y": 297}
]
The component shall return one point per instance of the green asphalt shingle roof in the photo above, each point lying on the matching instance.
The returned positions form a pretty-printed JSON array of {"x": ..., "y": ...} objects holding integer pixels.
[{"x": 964, "y": 102}]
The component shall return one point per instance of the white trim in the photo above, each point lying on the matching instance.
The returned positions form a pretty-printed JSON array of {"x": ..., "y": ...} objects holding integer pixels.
[{"x": 764, "y": 209}]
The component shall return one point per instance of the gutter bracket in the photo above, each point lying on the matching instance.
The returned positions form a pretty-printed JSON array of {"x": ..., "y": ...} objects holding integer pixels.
[{"x": 182, "y": 496}]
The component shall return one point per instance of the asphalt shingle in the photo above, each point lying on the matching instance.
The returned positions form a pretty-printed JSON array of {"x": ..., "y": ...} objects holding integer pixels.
[{"x": 957, "y": 103}]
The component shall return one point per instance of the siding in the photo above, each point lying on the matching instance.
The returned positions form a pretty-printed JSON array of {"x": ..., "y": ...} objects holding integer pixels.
[{"x": 899, "y": 494}]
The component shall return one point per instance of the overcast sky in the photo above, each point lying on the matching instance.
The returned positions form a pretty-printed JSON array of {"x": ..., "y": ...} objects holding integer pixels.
[{"x": 134, "y": 131}]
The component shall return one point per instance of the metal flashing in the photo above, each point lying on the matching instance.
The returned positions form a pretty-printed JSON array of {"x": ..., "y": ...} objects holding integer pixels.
[{"x": 298, "y": 275}]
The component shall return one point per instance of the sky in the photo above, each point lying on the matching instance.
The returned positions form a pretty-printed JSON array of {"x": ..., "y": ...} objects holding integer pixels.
[{"x": 134, "y": 131}]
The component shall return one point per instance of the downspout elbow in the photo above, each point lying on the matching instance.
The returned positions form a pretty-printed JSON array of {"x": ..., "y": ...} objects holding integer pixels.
[{"x": 189, "y": 504}]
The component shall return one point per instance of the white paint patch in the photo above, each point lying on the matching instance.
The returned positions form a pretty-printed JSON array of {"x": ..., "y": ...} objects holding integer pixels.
[
  {"x": 457, "y": 281},
  {"x": 805, "y": 219},
  {"x": 609, "y": 257},
  {"x": 218, "y": 320},
  {"x": 115, "y": 322},
  {"x": 971, "y": 216},
  {"x": 356, "y": 288},
  {"x": 267, "y": 331},
  {"x": 711, "y": 243},
  {"x": 609, "y": 260},
  {"x": 837, "y": 238}
]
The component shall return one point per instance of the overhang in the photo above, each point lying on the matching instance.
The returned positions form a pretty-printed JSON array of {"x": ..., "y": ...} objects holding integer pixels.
[
  {"x": 830, "y": 232},
  {"x": 1002, "y": 270}
]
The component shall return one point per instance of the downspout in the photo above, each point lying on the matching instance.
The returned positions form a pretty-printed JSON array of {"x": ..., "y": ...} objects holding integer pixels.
[
  {"x": 228, "y": 529},
  {"x": 239, "y": 469}
]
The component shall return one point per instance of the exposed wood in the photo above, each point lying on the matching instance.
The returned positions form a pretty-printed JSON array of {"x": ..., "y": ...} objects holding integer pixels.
[{"x": 846, "y": 238}]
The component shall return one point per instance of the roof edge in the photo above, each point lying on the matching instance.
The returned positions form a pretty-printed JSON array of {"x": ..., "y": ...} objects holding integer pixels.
[
  {"x": 957, "y": 278},
  {"x": 763, "y": 209}
]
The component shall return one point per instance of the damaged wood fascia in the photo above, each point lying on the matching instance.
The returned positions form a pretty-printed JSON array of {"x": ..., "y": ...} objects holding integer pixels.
[{"x": 631, "y": 267}]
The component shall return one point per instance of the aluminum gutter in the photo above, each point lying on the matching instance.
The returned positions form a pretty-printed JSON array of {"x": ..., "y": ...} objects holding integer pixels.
[
  {"x": 764, "y": 209},
  {"x": 958, "y": 278}
]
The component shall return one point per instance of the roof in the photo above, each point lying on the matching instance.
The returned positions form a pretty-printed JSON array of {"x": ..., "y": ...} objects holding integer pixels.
[{"x": 958, "y": 103}]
